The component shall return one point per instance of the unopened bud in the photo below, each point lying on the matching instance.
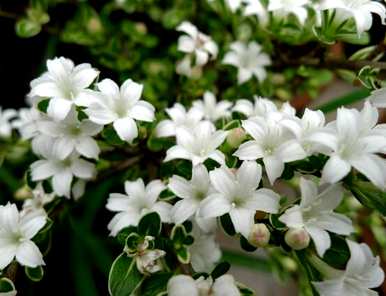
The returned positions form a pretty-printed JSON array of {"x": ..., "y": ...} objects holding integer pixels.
[
  {"x": 94, "y": 25},
  {"x": 235, "y": 137},
  {"x": 259, "y": 235},
  {"x": 297, "y": 238}
]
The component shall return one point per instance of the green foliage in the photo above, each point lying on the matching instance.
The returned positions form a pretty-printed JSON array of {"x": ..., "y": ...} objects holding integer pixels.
[
  {"x": 34, "y": 274},
  {"x": 6, "y": 285},
  {"x": 150, "y": 224},
  {"x": 369, "y": 195},
  {"x": 124, "y": 277}
]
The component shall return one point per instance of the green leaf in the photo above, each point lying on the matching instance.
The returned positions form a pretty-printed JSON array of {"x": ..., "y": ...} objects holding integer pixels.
[
  {"x": 338, "y": 254},
  {"x": 246, "y": 246},
  {"x": 132, "y": 241},
  {"x": 124, "y": 233},
  {"x": 34, "y": 274},
  {"x": 155, "y": 284},
  {"x": 274, "y": 220},
  {"x": 150, "y": 224},
  {"x": 369, "y": 195},
  {"x": 6, "y": 285},
  {"x": 221, "y": 269},
  {"x": 111, "y": 136},
  {"x": 178, "y": 234},
  {"x": 183, "y": 255},
  {"x": 227, "y": 224},
  {"x": 124, "y": 277},
  {"x": 43, "y": 105},
  {"x": 232, "y": 124},
  {"x": 26, "y": 28},
  {"x": 345, "y": 100}
]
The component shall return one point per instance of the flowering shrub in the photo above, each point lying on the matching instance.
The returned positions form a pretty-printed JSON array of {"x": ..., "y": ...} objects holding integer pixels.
[{"x": 203, "y": 138}]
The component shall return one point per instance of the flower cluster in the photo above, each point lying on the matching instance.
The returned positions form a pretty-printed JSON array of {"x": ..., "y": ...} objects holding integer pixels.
[
  {"x": 343, "y": 10},
  {"x": 68, "y": 114},
  {"x": 200, "y": 166}
]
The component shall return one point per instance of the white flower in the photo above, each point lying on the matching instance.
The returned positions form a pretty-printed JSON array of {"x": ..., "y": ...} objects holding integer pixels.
[
  {"x": 237, "y": 194},
  {"x": 119, "y": 106},
  {"x": 362, "y": 273},
  {"x": 62, "y": 171},
  {"x": 16, "y": 232},
  {"x": 225, "y": 285},
  {"x": 197, "y": 43},
  {"x": 205, "y": 251},
  {"x": 39, "y": 199},
  {"x": 72, "y": 135},
  {"x": 249, "y": 59},
  {"x": 63, "y": 83},
  {"x": 179, "y": 117},
  {"x": 360, "y": 10},
  {"x": 261, "y": 107},
  {"x": 303, "y": 128},
  {"x": 315, "y": 214},
  {"x": 198, "y": 144},
  {"x": 271, "y": 143},
  {"x": 255, "y": 7},
  {"x": 192, "y": 192},
  {"x": 27, "y": 121},
  {"x": 354, "y": 141},
  {"x": 211, "y": 109},
  {"x": 233, "y": 4},
  {"x": 138, "y": 201},
  {"x": 283, "y": 8},
  {"x": 5, "y": 122},
  {"x": 378, "y": 98}
]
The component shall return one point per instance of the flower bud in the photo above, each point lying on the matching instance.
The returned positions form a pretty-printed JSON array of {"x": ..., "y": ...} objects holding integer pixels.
[
  {"x": 297, "y": 238},
  {"x": 259, "y": 235},
  {"x": 235, "y": 137}
]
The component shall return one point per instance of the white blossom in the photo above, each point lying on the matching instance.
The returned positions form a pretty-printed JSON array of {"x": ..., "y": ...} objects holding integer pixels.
[
  {"x": 63, "y": 83},
  {"x": 248, "y": 59},
  {"x": 284, "y": 8},
  {"x": 16, "y": 233},
  {"x": 197, "y": 43},
  {"x": 27, "y": 122},
  {"x": 211, "y": 109},
  {"x": 198, "y": 144},
  {"x": 378, "y": 98},
  {"x": 119, "y": 106},
  {"x": 38, "y": 200},
  {"x": 360, "y": 10},
  {"x": 192, "y": 193},
  {"x": 225, "y": 285},
  {"x": 363, "y": 272},
  {"x": 204, "y": 252},
  {"x": 6, "y": 116},
  {"x": 148, "y": 260},
  {"x": 71, "y": 135},
  {"x": 271, "y": 143},
  {"x": 179, "y": 117},
  {"x": 255, "y": 7},
  {"x": 303, "y": 128},
  {"x": 354, "y": 141},
  {"x": 237, "y": 195},
  {"x": 315, "y": 214},
  {"x": 137, "y": 202},
  {"x": 261, "y": 107},
  {"x": 62, "y": 171}
]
